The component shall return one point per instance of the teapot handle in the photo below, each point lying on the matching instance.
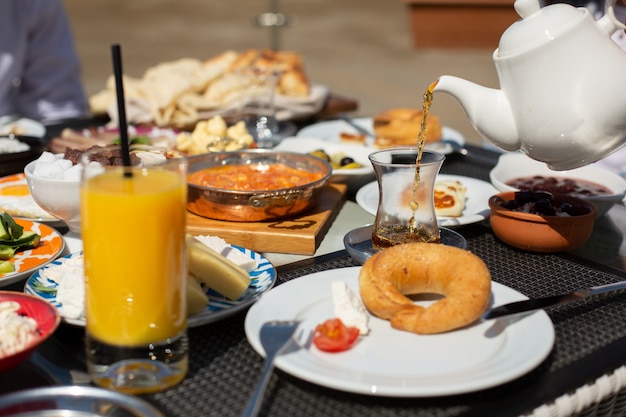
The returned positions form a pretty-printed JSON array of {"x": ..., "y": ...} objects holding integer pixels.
[{"x": 609, "y": 22}]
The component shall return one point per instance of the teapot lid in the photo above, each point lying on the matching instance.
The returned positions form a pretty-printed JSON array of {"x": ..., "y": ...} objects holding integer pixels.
[{"x": 537, "y": 25}]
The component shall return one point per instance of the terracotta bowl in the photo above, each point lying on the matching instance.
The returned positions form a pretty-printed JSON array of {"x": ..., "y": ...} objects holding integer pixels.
[
  {"x": 255, "y": 205},
  {"x": 539, "y": 233},
  {"x": 44, "y": 313}
]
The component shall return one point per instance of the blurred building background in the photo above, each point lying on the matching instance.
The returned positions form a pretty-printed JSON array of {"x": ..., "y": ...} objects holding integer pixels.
[{"x": 361, "y": 49}]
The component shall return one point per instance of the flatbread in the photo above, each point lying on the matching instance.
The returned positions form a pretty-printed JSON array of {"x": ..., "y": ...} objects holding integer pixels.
[{"x": 175, "y": 92}]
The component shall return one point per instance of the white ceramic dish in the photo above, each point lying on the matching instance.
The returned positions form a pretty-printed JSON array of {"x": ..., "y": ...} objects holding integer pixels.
[
  {"x": 476, "y": 202},
  {"x": 15, "y": 199},
  {"x": 329, "y": 131},
  {"x": 393, "y": 363},
  {"x": 57, "y": 196},
  {"x": 354, "y": 177},
  {"x": 21, "y": 126},
  {"x": 262, "y": 279},
  {"x": 516, "y": 164}
]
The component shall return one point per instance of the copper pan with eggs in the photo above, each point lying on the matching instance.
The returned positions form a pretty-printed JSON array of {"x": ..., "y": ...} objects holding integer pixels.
[{"x": 254, "y": 184}]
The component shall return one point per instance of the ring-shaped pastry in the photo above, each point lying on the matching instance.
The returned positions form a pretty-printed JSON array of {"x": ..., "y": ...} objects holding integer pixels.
[{"x": 413, "y": 268}]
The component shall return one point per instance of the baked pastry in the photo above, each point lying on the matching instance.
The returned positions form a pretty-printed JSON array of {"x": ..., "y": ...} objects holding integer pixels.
[
  {"x": 353, "y": 138},
  {"x": 413, "y": 268},
  {"x": 174, "y": 93},
  {"x": 401, "y": 127},
  {"x": 449, "y": 197},
  {"x": 292, "y": 80}
]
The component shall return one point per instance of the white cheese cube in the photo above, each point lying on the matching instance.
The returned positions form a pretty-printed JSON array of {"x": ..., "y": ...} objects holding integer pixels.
[{"x": 349, "y": 308}]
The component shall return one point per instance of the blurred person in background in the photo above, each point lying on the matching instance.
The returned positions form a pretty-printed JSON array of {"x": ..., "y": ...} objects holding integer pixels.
[{"x": 39, "y": 66}]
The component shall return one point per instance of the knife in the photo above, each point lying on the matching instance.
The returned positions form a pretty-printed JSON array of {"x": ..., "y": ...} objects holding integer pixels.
[
  {"x": 550, "y": 301},
  {"x": 356, "y": 126}
]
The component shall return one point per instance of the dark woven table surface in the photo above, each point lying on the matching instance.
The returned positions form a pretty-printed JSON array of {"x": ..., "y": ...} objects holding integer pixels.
[{"x": 590, "y": 342}]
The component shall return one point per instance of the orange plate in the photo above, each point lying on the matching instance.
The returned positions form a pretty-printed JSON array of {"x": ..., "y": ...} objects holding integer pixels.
[
  {"x": 21, "y": 179},
  {"x": 28, "y": 261},
  {"x": 14, "y": 177}
]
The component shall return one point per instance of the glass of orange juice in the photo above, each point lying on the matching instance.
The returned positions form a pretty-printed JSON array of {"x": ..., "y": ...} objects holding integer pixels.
[{"x": 133, "y": 231}]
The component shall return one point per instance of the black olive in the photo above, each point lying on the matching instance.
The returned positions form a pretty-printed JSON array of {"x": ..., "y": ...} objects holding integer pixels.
[
  {"x": 346, "y": 160},
  {"x": 523, "y": 197},
  {"x": 511, "y": 205},
  {"x": 542, "y": 195},
  {"x": 544, "y": 207},
  {"x": 567, "y": 208}
]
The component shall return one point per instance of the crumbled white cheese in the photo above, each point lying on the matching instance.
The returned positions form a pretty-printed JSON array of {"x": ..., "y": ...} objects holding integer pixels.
[
  {"x": 16, "y": 331},
  {"x": 150, "y": 158},
  {"x": 71, "y": 292},
  {"x": 349, "y": 308},
  {"x": 71, "y": 286},
  {"x": 11, "y": 145},
  {"x": 220, "y": 246}
]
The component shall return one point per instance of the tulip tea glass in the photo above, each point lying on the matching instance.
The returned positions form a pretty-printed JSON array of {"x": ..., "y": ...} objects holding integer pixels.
[
  {"x": 133, "y": 230},
  {"x": 406, "y": 213},
  {"x": 258, "y": 109}
]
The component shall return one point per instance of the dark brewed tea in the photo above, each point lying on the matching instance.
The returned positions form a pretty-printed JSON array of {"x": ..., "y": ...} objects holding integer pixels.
[{"x": 388, "y": 236}]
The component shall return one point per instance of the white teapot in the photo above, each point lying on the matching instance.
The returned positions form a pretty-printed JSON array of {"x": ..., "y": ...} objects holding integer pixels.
[{"x": 563, "y": 87}]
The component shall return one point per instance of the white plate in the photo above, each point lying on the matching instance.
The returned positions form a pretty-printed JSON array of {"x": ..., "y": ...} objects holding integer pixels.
[
  {"x": 262, "y": 279},
  {"x": 393, "y": 363},
  {"x": 355, "y": 178},
  {"x": 330, "y": 131},
  {"x": 25, "y": 127},
  {"x": 307, "y": 145},
  {"x": 517, "y": 164},
  {"x": 476, "y": 202},
  {"x": 15, "y": 199}
]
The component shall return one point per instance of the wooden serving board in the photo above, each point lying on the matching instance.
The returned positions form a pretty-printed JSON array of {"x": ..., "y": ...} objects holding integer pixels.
[{"x": 300, "y": 235}]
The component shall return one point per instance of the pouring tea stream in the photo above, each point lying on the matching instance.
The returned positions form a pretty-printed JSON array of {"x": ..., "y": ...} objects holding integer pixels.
[{"x": 562, "y": 99}]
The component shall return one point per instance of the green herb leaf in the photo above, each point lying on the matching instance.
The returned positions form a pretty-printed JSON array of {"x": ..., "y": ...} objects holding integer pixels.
[
  {"x": 39, "y": 287},
  {"x": 135, "y": 140}
]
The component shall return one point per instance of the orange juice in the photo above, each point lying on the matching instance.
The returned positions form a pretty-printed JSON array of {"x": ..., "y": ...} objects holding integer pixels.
[{"x": 133, "y": 241}]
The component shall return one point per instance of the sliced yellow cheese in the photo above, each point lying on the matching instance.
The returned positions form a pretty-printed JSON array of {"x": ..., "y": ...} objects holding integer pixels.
[
  {"x": 215, "y": 271},
  {"x": 196, "y": 297}
]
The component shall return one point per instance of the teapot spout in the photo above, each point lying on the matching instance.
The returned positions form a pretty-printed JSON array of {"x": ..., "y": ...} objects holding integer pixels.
[{"x": 487, "y": 109}]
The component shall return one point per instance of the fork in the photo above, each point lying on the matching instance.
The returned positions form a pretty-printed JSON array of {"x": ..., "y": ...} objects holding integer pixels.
[{"x": 275, "y": 337}]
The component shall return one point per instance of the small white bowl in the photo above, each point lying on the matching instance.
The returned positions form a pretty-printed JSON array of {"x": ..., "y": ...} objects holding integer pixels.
[
  {"x": 513, "y": 165},
  {"x": 59, "y": 197},
  {"x": 353, "y": 177}
]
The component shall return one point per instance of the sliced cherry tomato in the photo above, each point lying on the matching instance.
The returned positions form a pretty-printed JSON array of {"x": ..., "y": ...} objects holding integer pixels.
[{"x": 334, "y": 336}]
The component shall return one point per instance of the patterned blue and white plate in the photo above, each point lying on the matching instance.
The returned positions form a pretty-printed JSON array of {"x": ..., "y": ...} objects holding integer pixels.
[{"x": 262, "y": 279}]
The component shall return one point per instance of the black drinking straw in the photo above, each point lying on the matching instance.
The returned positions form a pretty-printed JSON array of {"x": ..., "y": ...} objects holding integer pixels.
[{"x": 121, "y": 107}]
